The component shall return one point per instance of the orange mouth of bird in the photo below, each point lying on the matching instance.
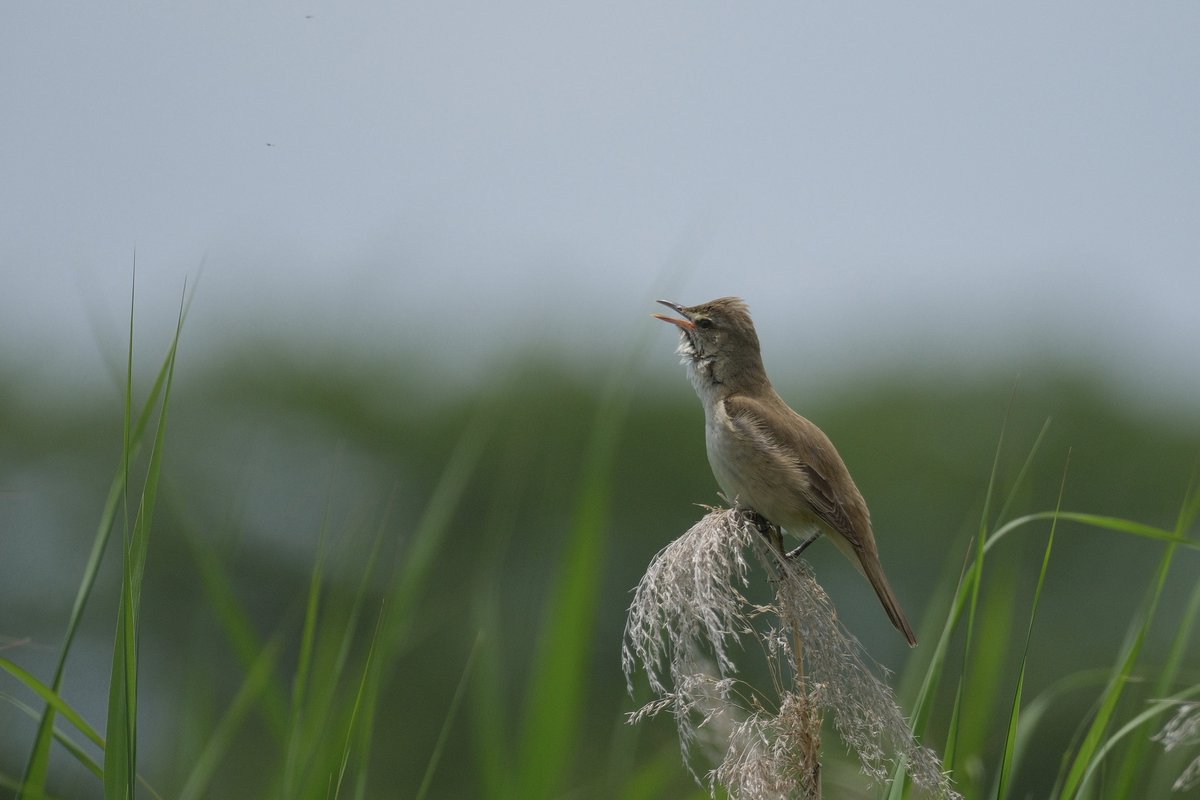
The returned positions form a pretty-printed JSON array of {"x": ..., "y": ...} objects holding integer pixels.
[
  {"x": 684, "y": 324},
  {"x": 689, "y": 347}
]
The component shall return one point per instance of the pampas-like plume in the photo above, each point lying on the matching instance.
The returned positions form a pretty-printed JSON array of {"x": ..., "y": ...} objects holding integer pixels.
[
  {"x": 1183, "y": 729},
  {"x": 688, "y": 619}
]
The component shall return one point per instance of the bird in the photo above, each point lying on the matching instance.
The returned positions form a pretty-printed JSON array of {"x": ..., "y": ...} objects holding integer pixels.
[{"x": 764, "y": 455}]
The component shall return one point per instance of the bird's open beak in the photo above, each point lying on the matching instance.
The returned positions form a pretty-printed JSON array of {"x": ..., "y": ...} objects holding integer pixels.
[{"x": 686, "y": 324}]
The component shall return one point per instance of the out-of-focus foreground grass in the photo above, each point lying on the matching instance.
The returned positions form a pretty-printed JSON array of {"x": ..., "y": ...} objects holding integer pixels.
[{"x": 363, "y": 583}]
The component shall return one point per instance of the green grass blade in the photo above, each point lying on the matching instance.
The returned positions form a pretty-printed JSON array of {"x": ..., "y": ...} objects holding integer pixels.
[
  {"x": 990, "y": 657},
  {"x": 973, "y": 589},
  {"x": 239, "y": 630},
  {"x": 359, "y": 695},
  {"x": 951, "y": 751},
  {"x": 405, "y": 589},
  {"x": 967, "y": 589},
  {"x": 15, "y": 786},
  {"x": 489, "y": 724},
  {"x": 1114, "y": 524},
  {"x": 448, "y": 722},
  {"x": 923, "y": 704},
  {"x": 1023, "y": 472},
  {"x": 1156, "y": 707},
  {"x": 222, "y": 739},
  {"x": 120, "y": 756},
  {"x": 73, "y": 747},
  {"x": 557, "y": 687},
  {"x": 1134, "y": 759},
  {"x": 292, "y": 768},
  {"x": 933, "y": 674},
  {"x": 316, "y": 720},
  {"x": 63, "y": 709},
  {"x": 1008, "y": 757},
  {"x": 120, "y": 753},
  {"x": 126, "y": 440},
  {"x": 37, "y": 767},
  {"x": 120, "y": 759},
  {"x": 1122, "y": 670},
  {"x": 1042, "y": 705},
  {"x": 489, "y": 710},
  {"x": 52, "y": 699},
  {"x": 431, "y": 531},
  {"x": 367, "y": 705},
  {"x": 1179, "y": 646},
  {"x": 1091, "y": 750},
  {"x": 487, "y": 706}
]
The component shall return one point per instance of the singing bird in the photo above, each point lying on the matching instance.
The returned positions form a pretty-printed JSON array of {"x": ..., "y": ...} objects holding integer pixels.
[{"x": 763, "y": 454}]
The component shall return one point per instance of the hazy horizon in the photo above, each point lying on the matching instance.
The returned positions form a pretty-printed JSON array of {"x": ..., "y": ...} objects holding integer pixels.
[{"x": 895, "y": 187}]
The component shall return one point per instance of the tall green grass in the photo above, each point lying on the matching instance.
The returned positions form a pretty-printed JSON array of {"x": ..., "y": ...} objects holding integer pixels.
[
  {"x": 1082, "y": 774},
  {"x": 313, "y": 689},
  {"x": 136, "y": 512}
]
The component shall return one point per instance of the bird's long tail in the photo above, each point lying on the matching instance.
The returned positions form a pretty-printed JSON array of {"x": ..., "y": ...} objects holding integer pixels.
[
  {"x": 867, "y": 562},
  {"x": 874, "y": 572}
]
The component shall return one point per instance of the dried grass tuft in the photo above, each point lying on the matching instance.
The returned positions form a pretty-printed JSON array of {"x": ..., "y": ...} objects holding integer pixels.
[
  {"x": 1182, "y": 730},
  {"x": 690, "y": 616}
]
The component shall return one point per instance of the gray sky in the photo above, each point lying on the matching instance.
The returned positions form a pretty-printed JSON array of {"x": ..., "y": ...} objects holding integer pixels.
[{"x": 882, "y": 182}]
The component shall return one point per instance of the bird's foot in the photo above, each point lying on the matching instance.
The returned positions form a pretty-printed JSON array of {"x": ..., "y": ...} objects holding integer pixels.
[
  {"x": 796, "y": 551},
  {"x": 767, "y": 529}
]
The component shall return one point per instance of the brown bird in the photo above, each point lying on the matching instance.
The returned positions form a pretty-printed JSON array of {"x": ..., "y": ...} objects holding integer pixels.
[{"x": 763, "y": 454}]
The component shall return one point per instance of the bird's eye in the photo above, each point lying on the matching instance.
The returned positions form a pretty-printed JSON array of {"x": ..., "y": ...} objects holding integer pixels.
[{"x": 704, "y": 323}]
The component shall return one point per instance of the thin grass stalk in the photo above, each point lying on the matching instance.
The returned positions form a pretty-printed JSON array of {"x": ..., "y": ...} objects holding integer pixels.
[
  {"x": 323, "y": 709},
  {"x": 557, "y": 688},
  {"x": 37, "y": 766},
  {"x": 489, "y": 714},
  {"x": 967, "y": 587},
  {"x": 1166, "y": 772},
  {"x": 235, "y": 622},
  {"x": 1114, "y": 524},
  {"x": 958, "y": 603},
  {"x": 812, "y": 751},
  {"x": 1182, "y": 730},
  {"x": 120, "y": 753},
  {"x": 439, "y": 747},
  {"x": 1042, "y": 706},
  {"x": 292, "y": 758},
  {"x": 351, "y": 726},
  {"x": 953, "y": 742},
  {"x": 400, "y": 599},
  {"x": 207, "y": 763},
  {"x": 431, "y": 530},
  {"x": 1075, "y": 767},
  {"x": 360, "y": 724},
  {"x": 1008, "y": 756},
  {"x": 1157, "y": 707},
  {"x": 77, "y": 749},
  {"x": 53, "y": 700},
  {"x": 1090, "y": 750},
  {"x": 1133, "y": 763}
]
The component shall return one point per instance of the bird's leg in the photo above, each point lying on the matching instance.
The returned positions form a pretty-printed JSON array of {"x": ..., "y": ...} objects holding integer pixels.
[
  {"x": 772, "y": 533},
  {"x": 766, "y": 528},
  {"x": 803, "y": 545}
]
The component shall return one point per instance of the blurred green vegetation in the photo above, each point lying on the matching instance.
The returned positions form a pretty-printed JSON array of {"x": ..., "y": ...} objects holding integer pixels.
[{"x": 478, "y": 539}]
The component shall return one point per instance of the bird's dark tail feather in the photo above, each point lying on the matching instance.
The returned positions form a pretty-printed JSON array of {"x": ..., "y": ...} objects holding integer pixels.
[
  {"x": 866, "y": 559},
  {"x": 874, "y": 572}
]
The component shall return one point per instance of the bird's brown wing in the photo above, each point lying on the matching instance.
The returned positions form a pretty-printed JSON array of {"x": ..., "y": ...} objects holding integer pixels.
[
  {"x": 826, "y": 489},
  {"x": 813, "y": 456},
  {"x": 824, "y": 502}
]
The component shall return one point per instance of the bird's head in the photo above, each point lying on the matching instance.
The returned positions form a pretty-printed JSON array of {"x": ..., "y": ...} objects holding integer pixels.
[{"x": 717, "y": 338}]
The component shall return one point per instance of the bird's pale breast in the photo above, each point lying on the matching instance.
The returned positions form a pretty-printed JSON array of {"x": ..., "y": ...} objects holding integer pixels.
[{"x": 752, "y": 471}]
